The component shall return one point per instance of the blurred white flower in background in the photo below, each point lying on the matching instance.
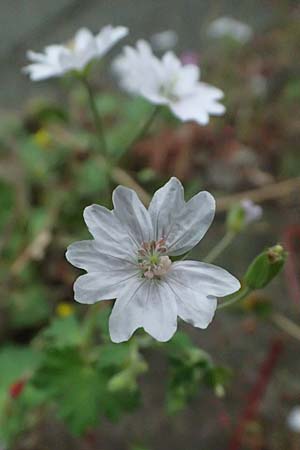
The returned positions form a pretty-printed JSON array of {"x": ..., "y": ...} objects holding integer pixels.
[
  {"x": 75, "y": 55},
  {"x": 165, "y": 40},
  {"x": 293, "y": 419},
  {"x": 227, "y": 26},
  {"x": 130, "y": 260},
  {"x": 253, "y": 212},
  {"x": 168, "y": 82}
]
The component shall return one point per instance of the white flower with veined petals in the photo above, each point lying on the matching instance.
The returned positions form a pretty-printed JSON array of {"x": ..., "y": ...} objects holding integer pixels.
[
  {"x": 168, "y": 82},
  {"x": 130, "y": 259},
  {"x": 59, "y": 59}
]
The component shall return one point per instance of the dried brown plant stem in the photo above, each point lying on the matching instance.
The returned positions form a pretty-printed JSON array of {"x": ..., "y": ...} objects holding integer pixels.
[{"x": 262, "y": 194}]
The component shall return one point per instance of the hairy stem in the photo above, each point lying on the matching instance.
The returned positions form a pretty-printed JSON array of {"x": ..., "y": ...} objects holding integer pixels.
[
  {"x": 220, "y": 247},
  {"x": 95, "y": 114},
  {"x": 237, "y": 298},
  {"x": 145, "y": 127},
  {"x": 286, "y": 325}
]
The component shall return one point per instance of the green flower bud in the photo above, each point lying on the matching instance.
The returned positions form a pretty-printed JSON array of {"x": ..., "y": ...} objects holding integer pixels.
[
  {"x": 265, "y": 267},
  {"x": 126, "y": 379},
  {"x": 235, "y": 220}
]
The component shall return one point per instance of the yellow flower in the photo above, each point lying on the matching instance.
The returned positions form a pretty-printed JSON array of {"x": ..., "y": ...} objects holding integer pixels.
[
  {"x": 42, "y": 138},
  {"x": 64, "y": 309}
]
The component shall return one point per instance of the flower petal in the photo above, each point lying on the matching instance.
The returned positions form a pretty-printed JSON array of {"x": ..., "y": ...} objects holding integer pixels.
[
  {"x": 191, "y": 223},
  {"x": 160, "y": 313},
  {"x": 133, "y": 215},
  {"x": 88, "y": 255},
  {"x": 93, "y": 287},
  {"x": 140, "y": 72},
  {"x": 150, "y": 305},
  {"x": 108, "y": 37},
  {"x": 164, "y": 207},
  {"x": 194, "y": 308},
  {"x": 205, "y": 278},
  {"x": 128, "y": 311},
  {"x": 111, "y": 236},
  {"x": 199, "y": 105},
  {"x": 83, "y": 39}
]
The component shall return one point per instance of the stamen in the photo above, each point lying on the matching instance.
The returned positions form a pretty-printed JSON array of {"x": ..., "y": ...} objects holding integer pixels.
[{"x": 151, "y": 260}]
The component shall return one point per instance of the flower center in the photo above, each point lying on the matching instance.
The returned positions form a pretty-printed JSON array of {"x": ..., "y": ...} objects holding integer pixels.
[
  {"x": 70, "y": 44},
  {"x": 168, "y": 90},
  {"x": 152, "y": 261}
]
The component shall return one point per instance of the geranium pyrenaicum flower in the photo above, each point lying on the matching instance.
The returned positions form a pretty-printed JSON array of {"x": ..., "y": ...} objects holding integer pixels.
[
  {"x": 130, "y": 259},
  {"x": 168, "y": 82},
  {"x": 75, "y": 55}
]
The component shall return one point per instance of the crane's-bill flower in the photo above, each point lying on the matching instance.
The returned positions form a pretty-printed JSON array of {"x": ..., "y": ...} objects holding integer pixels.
[
  {"x": 75, "y": 55},
  {"x": 130, "y": 260},
  {"x": 293, "y": 419},
  {"x": 168, "y": 82},
  {"x": 165, "y": 40},
  {"x": 230, "y": 27},
  {"x": 253, "y": 212}
]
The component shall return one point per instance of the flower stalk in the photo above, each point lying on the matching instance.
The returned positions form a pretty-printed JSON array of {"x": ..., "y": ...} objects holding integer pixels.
[
  {"x": 243, "y": 293},
  {"x": 220, "y": 247},
  {"x": 96, "y": 115},
  {"x": 146, "y": 126}
]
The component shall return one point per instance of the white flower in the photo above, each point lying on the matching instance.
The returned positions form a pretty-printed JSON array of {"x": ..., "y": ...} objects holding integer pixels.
[
  {"x": 293, "y": 419},
  {"x": 165, "y": 40},
  {"x": 59, "y": 59},
  {"x": 252, "y": 211},
  {"x": 227, "y": 26},
  {"x": 130, "y": 259},
  {"x": 168, "y": 82}
]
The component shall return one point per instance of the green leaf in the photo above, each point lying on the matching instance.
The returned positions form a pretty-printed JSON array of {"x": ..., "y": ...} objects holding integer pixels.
[
  {"x": 15, "y": 364},
  {"x": 79, "y": 389},
  {"x": 115, "y": 355},
  {"x": 20, "y": 414},
  {"x": 76, "y": 387},
  {"x": 92, "y": 177},
  {"x": 29, "y": 305},
  {"x": 107, "y": 104},
  {"x": 190, "y": 369},
  {"x": 64, "y": 332}
]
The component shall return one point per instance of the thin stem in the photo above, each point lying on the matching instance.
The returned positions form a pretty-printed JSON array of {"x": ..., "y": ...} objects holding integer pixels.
[
  {"x": 220, "y": 247},
  {"x": 145, "y": 127},
  {"x": 95, "y": 113},
  {"x": 240, "y": 296},
  {"x": 287, "y": 325}
]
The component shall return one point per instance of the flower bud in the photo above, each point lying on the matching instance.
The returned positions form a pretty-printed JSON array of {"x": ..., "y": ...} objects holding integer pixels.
[
  {"x": 242, "y": 214},
  {"x": 126, "y": 379},
  {"x": 265, "y": 267},
  {"x": 235, "y": 218}
]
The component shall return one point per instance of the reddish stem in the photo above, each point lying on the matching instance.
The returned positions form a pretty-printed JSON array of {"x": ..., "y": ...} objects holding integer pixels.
[
  {"x": 291, "y": 237},
  {"x": 256, "y": 394}
]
